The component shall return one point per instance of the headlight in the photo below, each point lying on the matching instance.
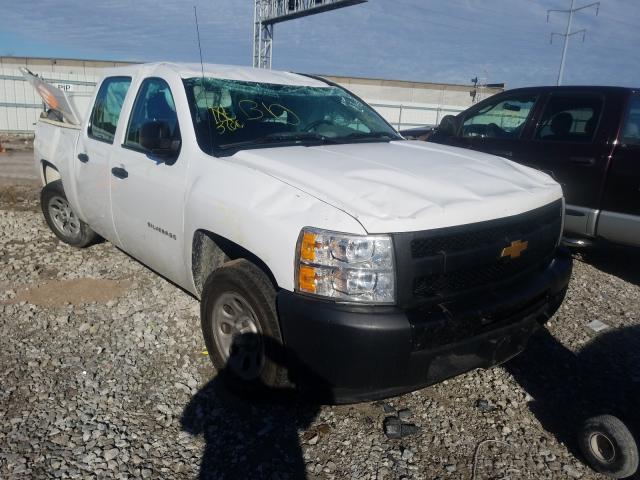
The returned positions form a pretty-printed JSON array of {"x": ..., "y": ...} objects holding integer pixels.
[{"x": 350, "y": 268}]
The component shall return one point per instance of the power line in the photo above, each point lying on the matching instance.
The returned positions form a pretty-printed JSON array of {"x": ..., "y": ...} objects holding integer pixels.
[{"x": 568, "y": 33}]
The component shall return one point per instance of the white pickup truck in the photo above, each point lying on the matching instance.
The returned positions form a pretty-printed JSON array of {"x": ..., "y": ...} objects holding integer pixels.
[{"x": 304, "y": 221}]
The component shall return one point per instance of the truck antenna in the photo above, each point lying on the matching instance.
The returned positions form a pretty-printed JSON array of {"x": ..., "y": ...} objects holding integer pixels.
[
  {"x": 195, "y": 13},
  {"x": 203, "y": 91}
]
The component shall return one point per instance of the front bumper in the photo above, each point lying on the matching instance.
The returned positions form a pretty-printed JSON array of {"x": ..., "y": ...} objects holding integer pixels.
[{"x": 364, "y": 353}]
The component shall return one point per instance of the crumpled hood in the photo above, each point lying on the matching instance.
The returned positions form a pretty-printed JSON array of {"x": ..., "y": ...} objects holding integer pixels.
[{"x": 407, "y": 185}]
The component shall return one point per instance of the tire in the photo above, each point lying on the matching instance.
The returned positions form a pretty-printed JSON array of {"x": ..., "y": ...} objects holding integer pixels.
[
  {"x": 608, "y": 446},
  {"x": 240, "y": 328},
  {"x": 61, "y": 218}
]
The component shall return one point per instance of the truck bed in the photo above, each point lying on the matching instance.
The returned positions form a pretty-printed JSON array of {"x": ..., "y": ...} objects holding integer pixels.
[{"x": 53, "y": 148}]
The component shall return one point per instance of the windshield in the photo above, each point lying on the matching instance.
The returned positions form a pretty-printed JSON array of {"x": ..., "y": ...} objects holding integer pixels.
[{"x": 229, "y": 115}]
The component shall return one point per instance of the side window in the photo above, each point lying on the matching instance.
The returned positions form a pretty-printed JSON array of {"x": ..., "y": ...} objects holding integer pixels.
[
  {"x": 570, "y": 118},
  {"x": 631, "y": 130},
  {"x": 107, "y": 107},
  {"x": 503, "y": 119},
  {"x": 154, "y": 104}
]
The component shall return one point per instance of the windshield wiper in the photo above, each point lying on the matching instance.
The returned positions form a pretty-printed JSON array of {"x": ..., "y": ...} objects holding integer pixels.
[
  {"x": 379, "y": 135},
  {"x": 294, "y": 136},
  {"x": 280, "y": 137}
]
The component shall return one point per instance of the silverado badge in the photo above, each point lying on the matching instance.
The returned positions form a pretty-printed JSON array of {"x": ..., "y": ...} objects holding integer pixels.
[{"x": 515, "y": 249}]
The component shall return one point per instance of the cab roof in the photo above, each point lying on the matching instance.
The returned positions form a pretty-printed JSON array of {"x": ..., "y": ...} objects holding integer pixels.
[
  {"x": 571, "y": 88},
  {"x": 227, "y": 72}
]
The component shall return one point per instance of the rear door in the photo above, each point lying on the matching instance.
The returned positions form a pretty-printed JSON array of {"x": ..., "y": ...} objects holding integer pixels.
[
  {"x": 571, "y": 142},
  {"x": 620, "y": 216},
  {"x": 94, "y": 149}
]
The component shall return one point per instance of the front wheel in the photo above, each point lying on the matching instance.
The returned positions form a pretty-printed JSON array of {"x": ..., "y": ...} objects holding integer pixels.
[
  {"x": 240, "y": 327},
  {"x": 608, "y": 446},
  {"x": 61, "y": 218}
]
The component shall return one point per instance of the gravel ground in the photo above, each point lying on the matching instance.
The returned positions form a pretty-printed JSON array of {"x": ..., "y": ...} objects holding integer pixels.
[{"x": 103, "y": 375}]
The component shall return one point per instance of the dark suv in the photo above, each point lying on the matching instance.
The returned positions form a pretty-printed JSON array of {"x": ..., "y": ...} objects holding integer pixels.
[{"x": 587, "y": 138}]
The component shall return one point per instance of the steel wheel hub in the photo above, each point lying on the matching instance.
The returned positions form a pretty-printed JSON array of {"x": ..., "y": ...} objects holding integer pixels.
[
  {"x": 602, "y": 448},
  {"x": 63, "y": 216},
  {"x": 237, "y": 335}
]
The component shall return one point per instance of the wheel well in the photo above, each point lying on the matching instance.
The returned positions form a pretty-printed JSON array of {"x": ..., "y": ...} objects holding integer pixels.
[
  {"x": 211, "y": 251},
  {"x": 49, "y": 172}
]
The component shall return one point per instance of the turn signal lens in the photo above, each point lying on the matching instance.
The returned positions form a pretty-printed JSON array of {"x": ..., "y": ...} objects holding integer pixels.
[
  {"x": 307, "y": 247},
  {"x": 307, "y": 279}
]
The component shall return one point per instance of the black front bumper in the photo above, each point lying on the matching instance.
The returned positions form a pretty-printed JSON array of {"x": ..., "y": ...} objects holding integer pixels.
[{"x": 363, "y": 353}]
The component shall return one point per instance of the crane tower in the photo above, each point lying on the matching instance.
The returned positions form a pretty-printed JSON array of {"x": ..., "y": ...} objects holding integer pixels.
[{"x": 269, "y": 12}]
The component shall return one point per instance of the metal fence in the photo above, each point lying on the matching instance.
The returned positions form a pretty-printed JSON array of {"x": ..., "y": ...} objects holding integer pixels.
[
  {"x": 20, "y": 105},
  {"x": 408, "y": 116}
]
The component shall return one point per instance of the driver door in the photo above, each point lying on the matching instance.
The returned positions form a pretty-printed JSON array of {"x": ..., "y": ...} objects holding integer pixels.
[{"x": 499, "y": 125}]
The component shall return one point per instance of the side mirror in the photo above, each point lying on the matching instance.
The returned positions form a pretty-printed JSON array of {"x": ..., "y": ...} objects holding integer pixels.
[
  {"x": 448, "y": 126},
  {"x": 156, "y": 138}
]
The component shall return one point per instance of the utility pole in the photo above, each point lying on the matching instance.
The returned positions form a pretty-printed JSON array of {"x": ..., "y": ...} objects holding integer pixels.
[{"x": 568, "y": 33}]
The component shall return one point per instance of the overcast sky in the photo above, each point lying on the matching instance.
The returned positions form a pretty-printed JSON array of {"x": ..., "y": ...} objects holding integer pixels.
[{"x": 425, "y": 40}]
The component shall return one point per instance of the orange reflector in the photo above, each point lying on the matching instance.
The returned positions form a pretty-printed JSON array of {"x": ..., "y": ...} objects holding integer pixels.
[
  {"x": 307, "y": 279},
  {"x": 308, "y": 247}
]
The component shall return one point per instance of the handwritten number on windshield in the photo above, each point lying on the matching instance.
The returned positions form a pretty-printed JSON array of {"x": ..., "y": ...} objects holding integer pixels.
[
  {"x": 255, "y": 111},
  {"x": 225, "y": 122}
]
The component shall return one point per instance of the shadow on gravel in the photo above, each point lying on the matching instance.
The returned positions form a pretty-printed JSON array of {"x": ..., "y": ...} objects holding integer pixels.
[
  {"x": 603, "y": 378},
  {"x": 251, "y": 435},
  {"x": 623, "y": 262}
]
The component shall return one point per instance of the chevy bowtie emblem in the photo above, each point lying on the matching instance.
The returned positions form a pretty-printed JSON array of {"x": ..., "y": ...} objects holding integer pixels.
[{"x": 515, "y": 249}]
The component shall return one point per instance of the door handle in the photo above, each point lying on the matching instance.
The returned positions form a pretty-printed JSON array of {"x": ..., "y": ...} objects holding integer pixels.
[
  {"x": 586, "y": 161},
  {"x": 83, "y": 157},
  {"x": 119, "y": 172}
]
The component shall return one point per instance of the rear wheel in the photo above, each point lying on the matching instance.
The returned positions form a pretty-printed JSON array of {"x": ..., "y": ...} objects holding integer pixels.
[
  {"x": 61, "y": 218},
  {"x": 608, "y": 446},
  {"x": 240, "y": 327}
]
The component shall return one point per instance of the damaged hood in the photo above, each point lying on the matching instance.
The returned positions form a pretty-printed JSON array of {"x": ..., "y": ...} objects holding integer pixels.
[{"x": 406, "y": 185}]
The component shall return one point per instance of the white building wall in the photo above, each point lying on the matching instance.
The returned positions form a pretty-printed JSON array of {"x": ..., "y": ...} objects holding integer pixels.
[
  {"x": 403, "y": 104},
  {"x": 412, "y": 104},
  {"x": 20, "y": 105}
]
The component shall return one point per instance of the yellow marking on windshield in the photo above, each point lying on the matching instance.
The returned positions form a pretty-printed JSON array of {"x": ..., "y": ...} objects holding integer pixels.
[
  {"x": 257, "y": 111},
  {"x": 224, "y": 121},
  {"x": 256, "y": 114}
]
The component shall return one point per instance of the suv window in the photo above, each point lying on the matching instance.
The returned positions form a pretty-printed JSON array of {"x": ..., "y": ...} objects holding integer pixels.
[
  {"x": 502, "y": 119},
  {"x": 631, "y": 130},
  {"x": 154, "y": 103},
  {"x": 570, "y": 118},
  {"x": 106, "y": 110}
]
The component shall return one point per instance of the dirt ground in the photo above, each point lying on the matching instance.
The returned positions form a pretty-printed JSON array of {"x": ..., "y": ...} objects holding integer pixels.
[{"x": 17, "y": 167}]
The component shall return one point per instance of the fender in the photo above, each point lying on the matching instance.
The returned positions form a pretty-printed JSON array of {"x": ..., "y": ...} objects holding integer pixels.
[
  {"x": 54, "y": 148},
  {"x": 255, "y": 211}
]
